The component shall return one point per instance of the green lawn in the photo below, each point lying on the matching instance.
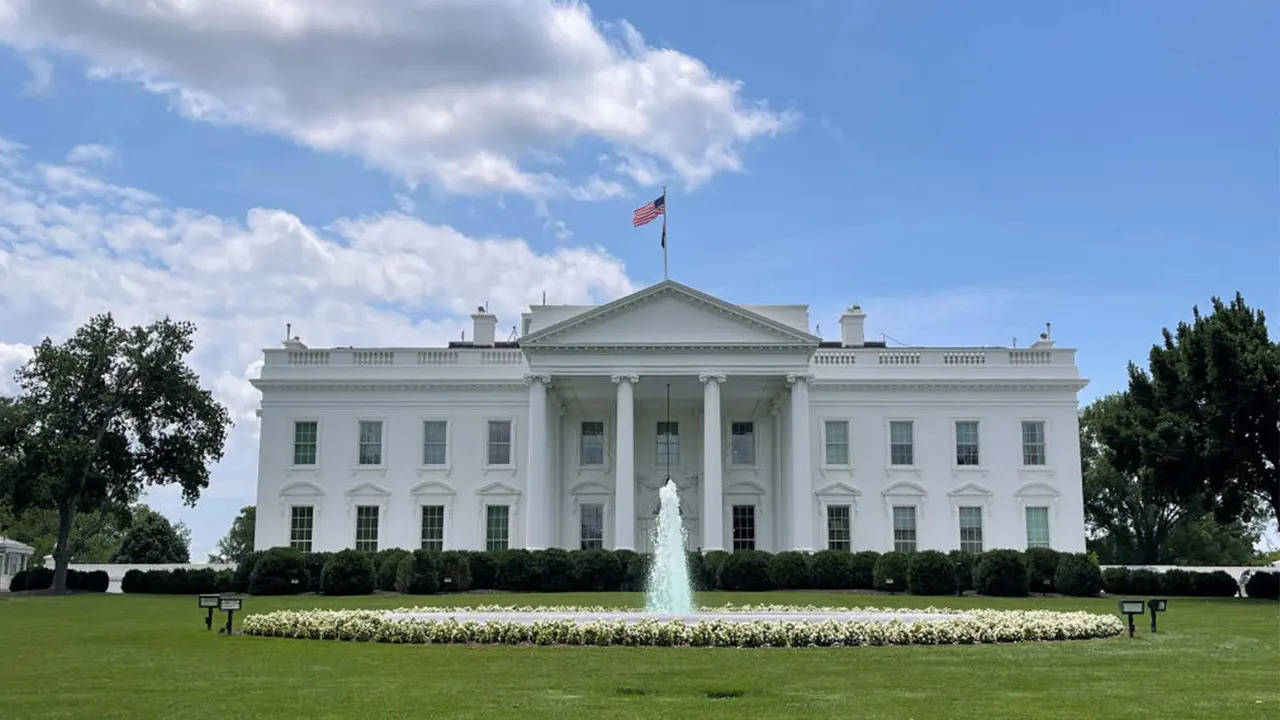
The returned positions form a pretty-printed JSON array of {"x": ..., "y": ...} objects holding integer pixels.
[{"x": 134, "y": 656}]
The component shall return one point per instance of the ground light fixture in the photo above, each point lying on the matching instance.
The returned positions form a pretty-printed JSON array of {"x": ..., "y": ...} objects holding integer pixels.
[
  {"x": 210, "y": 603},
  {"x": 1131, "y": 608},
  {"x": 231, "y": 604},
  {"x": 1156, "y": 605}
]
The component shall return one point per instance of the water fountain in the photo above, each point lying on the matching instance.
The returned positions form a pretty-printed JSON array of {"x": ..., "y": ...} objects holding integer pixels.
[{"x": 668, "y": 590}]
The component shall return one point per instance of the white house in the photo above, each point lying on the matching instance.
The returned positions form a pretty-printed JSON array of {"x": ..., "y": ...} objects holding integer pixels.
[{"x": 776, "y": 439}]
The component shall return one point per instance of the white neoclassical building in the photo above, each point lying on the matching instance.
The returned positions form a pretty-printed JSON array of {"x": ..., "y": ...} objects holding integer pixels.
[{"x": 776, "y": 438}]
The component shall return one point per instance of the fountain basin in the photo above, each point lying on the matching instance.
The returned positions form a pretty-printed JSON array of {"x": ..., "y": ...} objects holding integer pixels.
[{"x": 631, "y": 617}]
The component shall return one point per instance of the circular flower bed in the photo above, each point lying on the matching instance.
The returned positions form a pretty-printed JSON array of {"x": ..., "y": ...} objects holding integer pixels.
[{"x": 711, "y": 627}]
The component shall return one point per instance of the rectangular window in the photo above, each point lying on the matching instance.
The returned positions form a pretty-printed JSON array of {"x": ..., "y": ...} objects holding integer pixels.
[
  {"x": 837, "y": 442},
  {"x": 904, "y": 528},
  {"x": 971, "y": 529},
  {"x": 432, "y": 527},
  {"x": 497, "y": 529},
  {"x": 499, "y": 450},
  {"x": 1037, "y": 527},
  {"x": 367, "y": 527},
  {"x": 370, "y": 451},
  {"x": 435, "y": 442},
  {"x": 301, "y": 520},
  {"x": 592, "y": 527},
  {"x": 838, "y": 529},
  {"x": 966, "y": 442},
  {"x": 304, "y": 442},
  {"x": 902, "y": 446},
  {"x": 742, "y": 443},
  {"x": 591, "y": 443},
  {"x": 1033, "y": 442},
  {"x": 668, "y": 444},
  {"x": 744, "y": 527}
]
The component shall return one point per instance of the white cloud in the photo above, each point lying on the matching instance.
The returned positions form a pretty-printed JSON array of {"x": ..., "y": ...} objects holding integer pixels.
[
  {"x": 91, "y": 154},
  {"x": 404, "y": 202},
  {"x": 40, "y": 84},
  {"x": 468, "y": 95},
  {"x": 72, "y": 245}
]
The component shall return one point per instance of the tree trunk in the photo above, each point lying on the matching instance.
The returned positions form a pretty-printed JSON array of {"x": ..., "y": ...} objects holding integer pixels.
[{"x": 62, "y": 551}]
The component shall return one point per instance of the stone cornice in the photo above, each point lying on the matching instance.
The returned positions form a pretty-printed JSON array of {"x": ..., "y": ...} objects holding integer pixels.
[{"x": 671, "y": 347}]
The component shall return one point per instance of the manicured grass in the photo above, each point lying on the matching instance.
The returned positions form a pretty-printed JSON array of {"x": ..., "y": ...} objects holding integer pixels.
[{"x": 149, "y": 656}]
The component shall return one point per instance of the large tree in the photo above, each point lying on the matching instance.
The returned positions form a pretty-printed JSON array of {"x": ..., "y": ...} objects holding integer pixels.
[
  {"x": 153, "y": 539},
  {"x": 95, "y": 536},
  {"x": 1204, "y": 418},
  {"x": 239, "y": 539},
  {"x": 105, "y": 414}
]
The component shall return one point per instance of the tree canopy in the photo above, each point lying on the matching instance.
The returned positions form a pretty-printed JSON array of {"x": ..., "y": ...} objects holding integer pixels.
[
  {"x": 151, "y": 538},
  {"x": 239, "y": 539}
]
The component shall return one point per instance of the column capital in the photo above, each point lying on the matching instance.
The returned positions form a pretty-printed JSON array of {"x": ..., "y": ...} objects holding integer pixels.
[
  {"x": 705, "y": 378},
  {"x": 628, "y": 377},
  {"x": 793, "y": 378},
  {"x": 531, "y": 378},
  {"x": 775, "y": 406}
]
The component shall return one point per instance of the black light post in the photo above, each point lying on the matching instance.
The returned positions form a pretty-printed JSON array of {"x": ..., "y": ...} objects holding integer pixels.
[
  {"x": 229, "y": 604},
  {"x": 1156, "y": 605},
  {"x": 1131, "y": 608},
  {"x": 209, "y": 602}
]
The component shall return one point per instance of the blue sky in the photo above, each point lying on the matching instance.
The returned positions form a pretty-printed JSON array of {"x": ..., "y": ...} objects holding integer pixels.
[{"x": 964, "y": 171}]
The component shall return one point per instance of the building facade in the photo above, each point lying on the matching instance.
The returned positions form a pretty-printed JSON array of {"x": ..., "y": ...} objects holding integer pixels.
[{"x": 775, "y": 438}]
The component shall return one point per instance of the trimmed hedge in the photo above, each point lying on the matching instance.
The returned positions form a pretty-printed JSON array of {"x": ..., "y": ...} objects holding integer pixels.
[
  {"x": 864, "y": 570},
  {"x": 712, "y": 561},
  {"x": 515, "y": 570},
  {"x": 635, "y": 569},
  {"x": 553, "y": 571},
  {"x": 1144, "y": 582},
  {"x": 930, "y": 572},
  {"x": 596, "y": 569},
  {"x": 387, "y": 564},
  {"x": 1077, "y": 575},
  {"x": 1218, "y": 583},
  {"x": 745, "y": 570},
  {"x": 890, "y": 572},
  {"x": 789, "y": 570},
  {"x": 348, "y": 572},
  {"x": 41, "y": 578},
  {"x": 484, "y": 569},
  {"x": 280, "y": 571},
  {"x": 178, "y": 582},
  {"x": 1263, "y": 585},
  {"x": 1116, "y": 580},
  {"x": 1043, "y": 564},
  {"x": 419, "y": 573},
  {"x": 244, "y": 571},
  {"x": 693, "y": 561},
  {"x": 963, "y": 562},
  {"x": 831, "y": 569},
  {"x": 455, "y": 571},
  {"x": 1004, "y": 573}
]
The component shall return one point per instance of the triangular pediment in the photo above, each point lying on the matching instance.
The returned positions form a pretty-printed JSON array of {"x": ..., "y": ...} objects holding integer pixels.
[{"x": 669, "y": 314}]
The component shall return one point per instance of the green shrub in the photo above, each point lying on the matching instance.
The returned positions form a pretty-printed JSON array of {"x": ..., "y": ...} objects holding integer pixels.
[
  {"x": 455, "y": 571},
  {"x": 890, "y": 572},
  {"x": 1077, "y": 575},
  {"x": 745, "y": 570},
  {"x": 34, "y": 578},
  {"x": 315, "y": 567},
  {"x": 693, "y": 561},
  {"x": 133, "y": 581},
  {"x": 553, "y": 571},
  {"x": 1117, "y": 580},
  {"x": 515, "y": 570},
  {"x": 1043, "y": 563},
  {"x": 789, "y": 570},
  {"x": 712, "y": 561},
  {"x": 1144, "y": 582},
  {"x": 863, "y": 569},
  {"x": 963, "y": 562},
  {"x": 930, "y": 572},
  {"x": 18, "y": 582},
  {"x": 484, "y": 570},
  {"x": 635, "y": 569},
  {"x": 1218, "y": 583},
  {"x": 1176, "y": 582},
  {"x": 387, "y": 565},
  {"x": 348, "y": 572},
  {"x": 1003, "y": 573},
  {"x": 244, "y": 571},
  {"x": 280, "y": 571},
  {"x": 596, "y": 569},
  {"x": 419, "y": 573},
  {"x": 831, "y": 569},
  {"x": 1263, "y": 585}
]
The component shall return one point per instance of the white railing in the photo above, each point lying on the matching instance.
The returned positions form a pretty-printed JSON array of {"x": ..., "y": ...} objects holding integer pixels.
[
  {"x": 501, "y": 357},
  {"x": 1030, "y": 357},
  {"x": 373, "y": 357},
  {"x": 952, "y": 357},
  {"x": 437, "y": 357},
  {"x": 308, "y": 357},
  {"x": 366, "y": 357},
  {"x": 835, "y": 357},
  {"x": 964, "y": 358},
  {"x": 898, "y": 358}
]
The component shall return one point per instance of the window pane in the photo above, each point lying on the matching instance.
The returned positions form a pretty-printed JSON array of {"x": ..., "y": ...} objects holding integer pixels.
[
  {"x": 301, "y": 518},
  {"x": 367, "y": 527},
  {"x": 499, "y": 442},
  {"x": 435, "y": 434},
  {"x": 370, "y": 442},
  {"x": 904, "y": 528},
  {"x": 497, "y": 529},
  {"x": 744, "y": 527},
  {"x": 971, "y": 529},
  {"x": 742, "y": 443},
  {"x": 432, "y": 527},
  {"x": 304, "y": 443},
  {"x": 1033, "y": 443},
  {"x": 668, "y": 444},
  {"x": 1037, "y": 527},
  {"x": 592, "y": 529},
  {"x": 837, "y": 442},
  {"x": 592, "y": 443},
  {"x": 838, "y": 530},
  {"x": 901, "y": 443},
  {"x": 967, "y": 442}
]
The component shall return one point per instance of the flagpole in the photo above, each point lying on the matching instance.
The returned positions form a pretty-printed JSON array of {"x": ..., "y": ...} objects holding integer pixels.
[{"x": 665, "y": 276}]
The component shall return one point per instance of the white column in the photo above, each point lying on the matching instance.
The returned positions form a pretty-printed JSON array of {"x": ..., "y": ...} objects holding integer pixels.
[
  {"x": 801, "y": 496},
  {"x": 537, "y": 531},
  {"x": 624, "y": 489},
  {"x": 712, "y": 476}
]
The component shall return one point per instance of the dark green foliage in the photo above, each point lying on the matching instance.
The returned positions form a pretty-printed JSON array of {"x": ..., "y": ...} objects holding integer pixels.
[
  {"x": 151, "y": 538},
  {"x": 180, "y": 581},
  {"x": 963, "y": 562},
  {"x": 133, "y": 581},
  {"x": 789, "y": 570},
  {"x": 419, "y": 573},
  {"x": 1117, "y": 580},
  {"x": 863, "y": 568},
  {"x": 387, "y": 563},
  {"x": 1263, "y": 585},
  {"x": 1043, "y": 563},
  {"x": 746, "y": 570},
  {"x": 712, "y": 561},
  {"x": 553, "y": 569},
  {"x": 315, "y": 567},
  {"x": 596, "y": 569},
  {"x": 635, "y": 569},
  {"x": 1176, "y": 582},
  {"x": 515, "y": 570},
  {"x": 1218, "y": 583},
  {"x": 238, "y": 541},
  {"x": 1144, "y": 582},
  {"x": 831, "y": 569},
  {"x": 36, "y": 578},
  {"x": 280, "y": 571},
  {"x": 1077, "y": 575},
  {"x": 455, "y": 571},
  {"x": 244, "y": 571},
  {"x": 94, "y": 581},
  {"x": 891, "y": 566},
  {"x": 348, "y": 572},
  {"x": 484, "y": 569},
  {"x": 1004, "y": 573},
  {"x": 693, "y": 561},
  {"x": 930, "y": 572}
]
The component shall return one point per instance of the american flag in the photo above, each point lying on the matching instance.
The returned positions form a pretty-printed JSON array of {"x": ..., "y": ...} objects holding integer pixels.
[{"x": 649, "y": 211}]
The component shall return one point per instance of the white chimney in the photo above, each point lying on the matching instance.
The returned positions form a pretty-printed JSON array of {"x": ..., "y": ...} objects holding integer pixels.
[
  {"x": 484, "y": 328},
  {"x": 851, "y": 323}
]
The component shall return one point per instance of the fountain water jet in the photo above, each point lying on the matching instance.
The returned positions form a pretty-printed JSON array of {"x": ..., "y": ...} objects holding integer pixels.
[{"x": 668, "y": 591}]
